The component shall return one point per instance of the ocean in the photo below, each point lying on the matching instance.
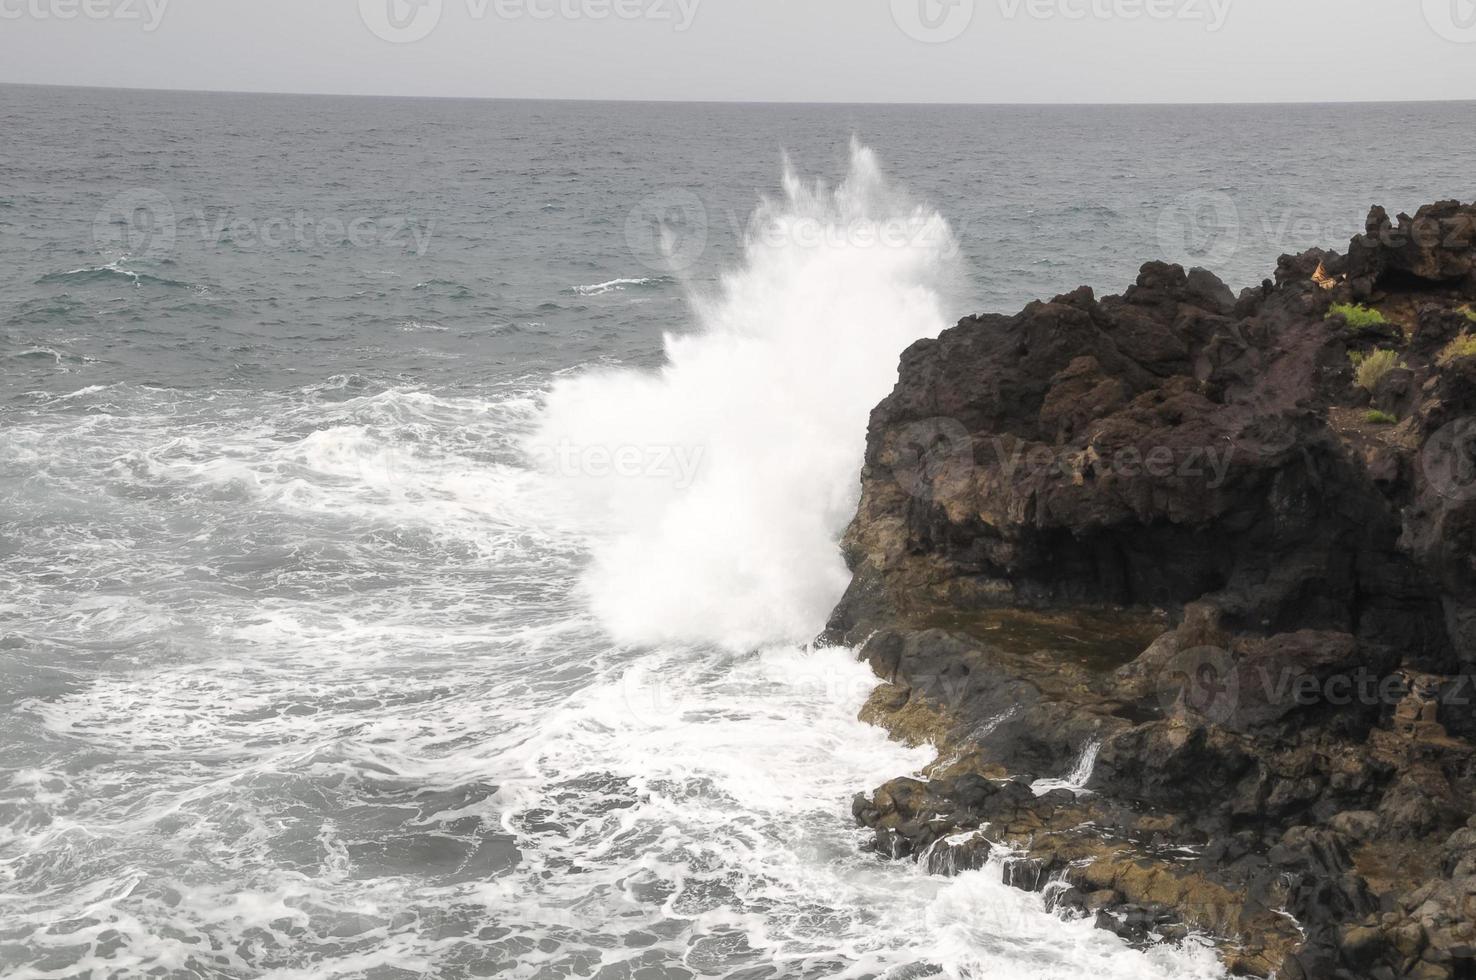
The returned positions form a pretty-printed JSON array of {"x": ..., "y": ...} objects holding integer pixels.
[{"x": 414, "y": 513}]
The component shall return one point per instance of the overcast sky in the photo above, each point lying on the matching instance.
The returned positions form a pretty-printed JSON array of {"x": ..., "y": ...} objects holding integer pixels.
[{"x": 762, "y": 50}]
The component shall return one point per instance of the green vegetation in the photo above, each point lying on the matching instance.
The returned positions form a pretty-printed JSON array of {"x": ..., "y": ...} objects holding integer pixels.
[
  {"x": 1377, "y": 417},
  {"x": 1372, "y": 368},
  {"x": 1358, "y": 316},
  {"x": 1462, "y": 346},
  {"x": 1469, "y": 313}
]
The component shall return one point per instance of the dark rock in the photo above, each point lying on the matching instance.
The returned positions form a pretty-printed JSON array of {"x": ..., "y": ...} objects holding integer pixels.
[
  {"x": 1155, "y": 530},
  {"x": 1437, "y": 245},
  {"x": 1395, "y": 392}
]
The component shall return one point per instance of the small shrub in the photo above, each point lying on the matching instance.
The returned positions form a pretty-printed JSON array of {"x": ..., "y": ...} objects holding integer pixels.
[
  {"x": 1462, "y": 346},
  {"x": 1469, "y": 313},
  {"x": 1377, "y": 417},
  {"x": 1358, "y": 316},
  {"x": 1374, "y": 367},
  {"x": 1355, "y": 358}
]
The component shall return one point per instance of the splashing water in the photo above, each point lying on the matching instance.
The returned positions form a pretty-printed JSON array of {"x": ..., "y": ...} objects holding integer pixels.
[
  {"x": 1078, "y": 777},
  {"x": 307, "y": 683},
  {"x": 760, "y": 417}
]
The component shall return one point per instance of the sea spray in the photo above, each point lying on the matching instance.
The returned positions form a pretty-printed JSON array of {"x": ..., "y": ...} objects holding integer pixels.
[
  {"x": 1080, "y": 774},
  {"x": 979, "y": 925},
  {"x": 770, "y": 396}
]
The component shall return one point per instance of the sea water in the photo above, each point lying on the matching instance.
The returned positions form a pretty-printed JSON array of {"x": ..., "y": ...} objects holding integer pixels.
[{"x": 414, "y": 514}]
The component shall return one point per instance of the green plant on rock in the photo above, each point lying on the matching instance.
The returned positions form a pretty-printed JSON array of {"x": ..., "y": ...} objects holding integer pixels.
[
  {"x": 1377, "y": 417},
  {"x": 1373, "y": 367},
  {"x": 1469, "y": 312},
  {"x": 1462, "y": 346},
  {"x": 1358, "y": 316}
]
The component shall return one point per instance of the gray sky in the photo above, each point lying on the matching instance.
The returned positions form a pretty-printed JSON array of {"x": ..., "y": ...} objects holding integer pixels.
[{"x": 780, "y": 50}]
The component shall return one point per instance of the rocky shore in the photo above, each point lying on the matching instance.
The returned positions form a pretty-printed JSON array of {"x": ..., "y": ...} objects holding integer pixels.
[{"x": 1182, "y": 586}]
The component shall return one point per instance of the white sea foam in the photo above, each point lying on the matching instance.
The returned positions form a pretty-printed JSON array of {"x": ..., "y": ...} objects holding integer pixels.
[
  {"x": 344, "y": 735},
  {"x": 83, "y": 392},
  {"x": 1080, "y": 774},
  {"x": 981, "y": 928},
  {"x": 771, "y": 391},
  {"x": 616, "y": 285},
  {"x": 325, "y": 667}
]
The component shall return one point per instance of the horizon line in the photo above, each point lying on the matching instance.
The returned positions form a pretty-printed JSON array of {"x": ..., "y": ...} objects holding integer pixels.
[{"x": 711, "y": 102}]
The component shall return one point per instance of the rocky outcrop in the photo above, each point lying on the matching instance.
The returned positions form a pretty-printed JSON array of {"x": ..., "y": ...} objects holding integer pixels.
[{"x": 1181, "y": 535}]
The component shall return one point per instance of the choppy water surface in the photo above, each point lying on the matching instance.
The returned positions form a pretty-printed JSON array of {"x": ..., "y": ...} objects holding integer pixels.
[{"x": 381, "y": 595}]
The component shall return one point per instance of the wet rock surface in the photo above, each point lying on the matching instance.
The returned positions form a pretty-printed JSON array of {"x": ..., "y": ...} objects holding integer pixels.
[{"x": 1192, "y": 628}]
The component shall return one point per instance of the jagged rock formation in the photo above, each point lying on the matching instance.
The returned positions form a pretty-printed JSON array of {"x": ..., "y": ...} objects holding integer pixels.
[{"x": 1229, "y": 544}]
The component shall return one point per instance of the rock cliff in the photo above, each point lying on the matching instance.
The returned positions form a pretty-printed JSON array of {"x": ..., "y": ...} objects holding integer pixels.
[{"x": 1181, "y": 585}]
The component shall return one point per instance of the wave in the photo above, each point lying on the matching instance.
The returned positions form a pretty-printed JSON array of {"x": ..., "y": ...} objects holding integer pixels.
[
  {"x": 618, "y": 285},
  {"x": 83, "y": 392},
  {"x": 451, "y": 286},
  {"x": 736, "y": 811},
  {"x": 727, "y": 477},
  {"x": 385, "y": 632},
  {"x": 60, "y": 358},
  {"x": 111, "y": 272}
]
